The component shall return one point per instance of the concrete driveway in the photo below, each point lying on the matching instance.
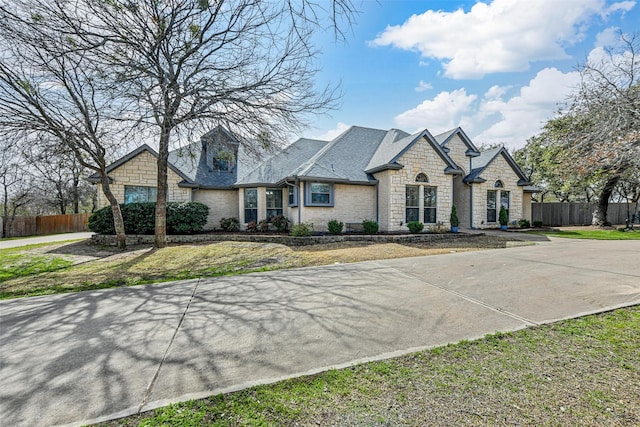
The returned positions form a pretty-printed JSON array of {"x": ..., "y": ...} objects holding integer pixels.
[
  {"x": 79, "y": 358},
  {"x": 16, "y": 243}
]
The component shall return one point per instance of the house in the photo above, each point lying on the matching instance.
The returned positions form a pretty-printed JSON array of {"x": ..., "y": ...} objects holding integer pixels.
[{"x": 388, "y": 176}]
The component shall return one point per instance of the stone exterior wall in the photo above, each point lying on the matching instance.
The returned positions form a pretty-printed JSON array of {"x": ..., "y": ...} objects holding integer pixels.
[
  {"x": 222, "y": 204},
  {"x": 351, "y": 203},
  {"x": 142, "y": 170},
  {"x": 384, "y": 198},
  {"x": 526, "y": 207},
  {"x": 499, "y": 169},
  {"x": 421, "y": 157}
]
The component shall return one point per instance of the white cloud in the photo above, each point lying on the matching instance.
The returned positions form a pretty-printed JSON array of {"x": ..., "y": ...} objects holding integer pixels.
[
  {"x": 624, "y": 6},
  {"x": 333, "y": 133},
  {"x": 523, "y": 115},
  {"x": 500, "y": 36},
  {"x": 422, "y": 86},
  {"x": 438, "y": 114},
  {"x": 495, "y": 118}
]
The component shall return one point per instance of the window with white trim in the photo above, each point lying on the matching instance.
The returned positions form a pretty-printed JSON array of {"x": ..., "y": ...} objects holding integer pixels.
[
  {"x": 293, "y": 196},
  {"x": 491, "y": 206},
  {"x": 412, "y": 208},
  {"x": 430, "y": 204},
  {"x": 504, "y": 201}
]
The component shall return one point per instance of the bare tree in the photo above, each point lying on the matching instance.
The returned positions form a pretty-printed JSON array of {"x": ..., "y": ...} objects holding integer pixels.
[
  {"x": 190, "y": 65},
  {"x": 176, "y": 67},
  {"x": 48, "y": 87},
  {"x": 14, "y": 189}
]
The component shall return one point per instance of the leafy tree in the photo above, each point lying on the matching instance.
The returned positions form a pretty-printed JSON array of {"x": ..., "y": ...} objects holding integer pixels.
[{"x": 597, "y": 138}]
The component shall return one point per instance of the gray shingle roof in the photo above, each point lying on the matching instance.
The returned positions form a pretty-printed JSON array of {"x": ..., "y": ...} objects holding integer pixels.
[
  {"x": 351, "y": 157},
  {"x": 283, "y": 164}
]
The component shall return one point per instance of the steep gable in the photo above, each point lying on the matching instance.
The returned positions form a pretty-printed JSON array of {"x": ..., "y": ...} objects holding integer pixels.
[
  {"x": 479, "y": 165},
  {"x": 389, "y": 153}
]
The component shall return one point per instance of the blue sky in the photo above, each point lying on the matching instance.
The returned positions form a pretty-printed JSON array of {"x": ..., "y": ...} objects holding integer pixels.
[{"x": 497, "y": 68}]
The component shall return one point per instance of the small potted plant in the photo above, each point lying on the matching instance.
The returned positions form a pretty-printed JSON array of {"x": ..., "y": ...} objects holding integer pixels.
[
  {"x": 503, "y": 218},
  {"x": 453, "y": 219}
]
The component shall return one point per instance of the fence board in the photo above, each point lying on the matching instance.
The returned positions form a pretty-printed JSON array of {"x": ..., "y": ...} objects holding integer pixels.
[
  {"x": 50, "y": 224},
  {"x": 557, "y": 214}
]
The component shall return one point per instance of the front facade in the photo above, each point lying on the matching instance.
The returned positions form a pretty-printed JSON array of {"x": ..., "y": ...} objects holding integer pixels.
[{"x": 387, "y": 176}]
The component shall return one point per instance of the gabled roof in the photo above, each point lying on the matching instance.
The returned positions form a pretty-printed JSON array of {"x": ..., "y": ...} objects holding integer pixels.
[
  {"x": 485, "y": 158},
  {"x": 444, "y": 138},
  {"x": 95, "y": 178},
  {"x": 390, "y": 151}
]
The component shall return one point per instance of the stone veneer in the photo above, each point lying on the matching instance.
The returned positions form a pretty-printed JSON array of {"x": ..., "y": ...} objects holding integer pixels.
[
  {"x": 499, "y": 169},
  {"x": 142, "y": 170},
  {"x": 420, "y": 158}
]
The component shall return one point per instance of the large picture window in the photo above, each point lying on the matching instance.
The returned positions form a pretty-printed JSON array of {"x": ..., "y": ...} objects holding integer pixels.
[
  {"x": 430, "y": 205},
  {"x": 412, "y": 203},
  {"x": 318, "y": 194},
  {"x": 491, "y": 206},
  {"x": 274, "y": 202},
  {"x": 250, "y": 205},
  {"x": 140, "y": 194}
]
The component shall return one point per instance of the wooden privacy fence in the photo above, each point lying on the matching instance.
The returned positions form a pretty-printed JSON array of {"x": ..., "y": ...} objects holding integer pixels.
[
  {"x": 556, "y": 214},
  {"x": 49, "y": 224}
]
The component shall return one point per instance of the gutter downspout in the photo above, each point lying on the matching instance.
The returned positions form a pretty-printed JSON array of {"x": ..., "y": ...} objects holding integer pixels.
[
  {"x": 297, "y": 184},
  {"x": 378, "y": 202},
  {"x": 471, "y": 195}
]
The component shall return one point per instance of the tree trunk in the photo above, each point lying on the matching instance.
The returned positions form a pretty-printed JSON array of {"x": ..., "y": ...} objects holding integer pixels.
[
  {"x": 161, "y": 200},
  {"x": 75, "y": 194},
  {"x": 600, "y": 214},
  {"x": 118, "y": 222}
]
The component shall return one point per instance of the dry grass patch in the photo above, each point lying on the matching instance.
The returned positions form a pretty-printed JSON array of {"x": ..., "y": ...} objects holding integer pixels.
[{"x": 98, "y": 267}]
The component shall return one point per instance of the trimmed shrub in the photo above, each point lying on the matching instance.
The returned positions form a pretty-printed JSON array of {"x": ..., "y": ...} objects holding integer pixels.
[
  {"x": 252, "y": 227},
  {"x": 230, "y": 224},
  {"x": 186, "y": 217},
  {"x": 281, "y": 223},
  {"x": 415, "y": 226},
  {"x": 369, "y": 226},
  {"x": 537, "y": 224},
  {"x": 335, "y": 227},
  {"x": 140, "y": 218},
  {"x": 503, "y": 217},
  {"x": 524, "y": 223},
  {"x": 301, "y": 230},
  {"x": 453, "y": 218}
]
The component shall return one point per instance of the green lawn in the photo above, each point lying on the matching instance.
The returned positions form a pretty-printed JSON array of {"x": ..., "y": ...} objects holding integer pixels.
[
  {"x": 14, "y": 264},
  {"x": 593, "y": 234},
  {"x": 583, "y": 372}
]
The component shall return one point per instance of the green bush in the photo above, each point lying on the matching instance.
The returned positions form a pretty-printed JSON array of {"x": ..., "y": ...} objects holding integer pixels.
[
  {"x": 369, "y": 226},
  {"x": 537, "y": 224},
  {"x": 301, "y": 230},
  {"x": 140, "y": 218},
  {"x": 230, "y": 224},
  {"x": 281, "y": 223},
  {"x": 335, "y": 227},
  {"x": 503, "y": 217},
  {"x": 453, "y": 218},
  {"x": 524, "y": 223},
  {"x": 415, "y": 226}
]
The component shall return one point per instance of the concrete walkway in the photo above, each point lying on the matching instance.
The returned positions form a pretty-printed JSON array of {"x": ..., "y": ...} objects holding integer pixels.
[
  {"x": 89, "y": 356},
  {"x": 16, "y": 243}
]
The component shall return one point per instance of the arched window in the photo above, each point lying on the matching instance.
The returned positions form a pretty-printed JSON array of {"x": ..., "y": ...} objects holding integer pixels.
[
  {"x": 498, "y": 184},
  {"x": 421, "y": 177}
]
